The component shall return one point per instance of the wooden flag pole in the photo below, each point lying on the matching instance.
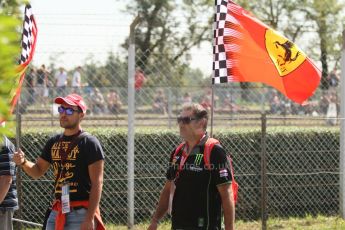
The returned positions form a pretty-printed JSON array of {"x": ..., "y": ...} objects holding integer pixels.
[
  {"x": 212, "y": 109},
  {"x": 342, "y": 134}
]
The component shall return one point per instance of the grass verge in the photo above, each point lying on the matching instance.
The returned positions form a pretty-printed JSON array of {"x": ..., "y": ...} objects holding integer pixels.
[{"x": 307, "y": 223}]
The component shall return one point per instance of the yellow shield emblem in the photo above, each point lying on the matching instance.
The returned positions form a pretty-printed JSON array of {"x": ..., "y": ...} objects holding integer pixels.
[{"x": 285, "y": 55}]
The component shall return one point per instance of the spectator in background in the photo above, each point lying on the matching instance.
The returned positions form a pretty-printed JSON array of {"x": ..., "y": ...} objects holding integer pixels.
[
  {"x": 41, "y": 84},
  {"x": 140, "y": 79},
  {"x": 30, "y": 79},
  {"x": 8, "y": 188},
  {"x": 229, "y": 104},
  {"x": 61, "y": 81},
  {"x": 76, "y": 80},
  {"x": 297, "y": 109},
  {"x": 332, "y": 113},
  {"x": 98, "y": 102},
  {"x": 275, "y": 104},
  {"x": 206, "y": 100},
  {"x": 333, "y": 78},
  {"x": 114, "y": 102},
  {"x": 159, "y": 102},
  {"x": 187, "y": 99},
  {"x": 323, "y": 104}
]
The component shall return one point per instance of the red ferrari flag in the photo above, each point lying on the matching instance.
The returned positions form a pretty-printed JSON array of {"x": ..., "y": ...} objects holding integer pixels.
[
  {"x": 29, "y": 37},
  {"x": 247, "y": 50}
]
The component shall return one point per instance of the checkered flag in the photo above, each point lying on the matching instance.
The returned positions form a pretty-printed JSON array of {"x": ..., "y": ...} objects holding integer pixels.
[
  {"x": 29, "y": 37},
  {"x": 224, "y": 43},
  {"x": 247, "y": 50}
]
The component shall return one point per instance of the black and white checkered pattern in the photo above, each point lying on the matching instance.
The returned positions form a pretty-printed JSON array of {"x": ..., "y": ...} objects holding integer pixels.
[
  {"x": 28, "y": 37},
  {"x": 223, "y": 64}
]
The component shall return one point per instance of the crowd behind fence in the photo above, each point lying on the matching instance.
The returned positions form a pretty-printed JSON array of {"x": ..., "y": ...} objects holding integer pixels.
[{"x": 110, "y": 104}]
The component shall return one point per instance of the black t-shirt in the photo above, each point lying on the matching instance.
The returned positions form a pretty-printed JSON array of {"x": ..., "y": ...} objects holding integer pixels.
[
  {"x": 196, "y": 201},
  {"x": 76, "y": 171}
]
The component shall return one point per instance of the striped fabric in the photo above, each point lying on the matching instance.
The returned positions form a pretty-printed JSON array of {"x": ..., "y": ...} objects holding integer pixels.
[
  {"x": 8, "y": 167},
  {"x": 29, "y": 36}
]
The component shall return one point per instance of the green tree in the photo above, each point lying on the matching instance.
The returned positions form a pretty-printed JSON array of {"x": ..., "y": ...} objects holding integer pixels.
[
  {"x": 116, "y": 71},
  {"x": 90, "y": 71},
  {"x": 327, "y": 23},
  {"x": 10, "y": 7},
  {"x": 9, "y": 52},
  {"x": 167, "y": 31},
  {"x": 112, "y": 74}
]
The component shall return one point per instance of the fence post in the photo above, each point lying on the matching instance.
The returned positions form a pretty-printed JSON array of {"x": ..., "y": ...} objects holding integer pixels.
[
  {"x": 342, "y": 133},
  {"x": 263, "y": 172},
  {"x": 130, "y": 138},
  {"x": 263, "y": 96}
]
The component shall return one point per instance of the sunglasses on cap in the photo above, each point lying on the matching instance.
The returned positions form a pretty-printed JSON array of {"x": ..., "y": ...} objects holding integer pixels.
[
  {"x": 186, "y": 120},
  {"x": 68, "y": 111}
]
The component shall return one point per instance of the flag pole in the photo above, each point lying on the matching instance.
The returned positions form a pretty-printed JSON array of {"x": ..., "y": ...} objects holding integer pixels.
[
  {"x": 212, "y": 109},
  {"x": 342, "y": 133}
]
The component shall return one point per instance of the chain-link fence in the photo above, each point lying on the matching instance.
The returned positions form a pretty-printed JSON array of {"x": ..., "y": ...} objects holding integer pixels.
[
  {"x": 281, "y": 172},
  {"x": 280, "y": 175}
]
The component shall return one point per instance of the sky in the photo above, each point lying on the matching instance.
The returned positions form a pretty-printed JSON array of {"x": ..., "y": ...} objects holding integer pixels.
[{"x": 69, "y": 31}]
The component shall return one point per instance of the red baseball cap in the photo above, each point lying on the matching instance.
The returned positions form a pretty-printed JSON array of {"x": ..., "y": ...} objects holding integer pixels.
[{"x": 72, "y": 99}]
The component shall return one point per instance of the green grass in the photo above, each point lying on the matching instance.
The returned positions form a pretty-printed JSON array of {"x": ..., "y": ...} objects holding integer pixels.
[{"x": 307, "y": 223}]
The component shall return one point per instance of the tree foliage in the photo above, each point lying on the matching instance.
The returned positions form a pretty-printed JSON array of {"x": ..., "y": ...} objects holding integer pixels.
[
  {"x": 326, "y": 18},
  {"x": 9, "y": 53},
  {"x": 10, "y": 7},
  {"x": 112, "y": 74},
  {"x": 167, "y": 31}
]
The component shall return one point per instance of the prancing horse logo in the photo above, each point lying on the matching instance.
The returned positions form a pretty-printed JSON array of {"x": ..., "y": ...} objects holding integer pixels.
[
  {"x": 285, "y": 55},
  {"x": 287, "y": 46}
]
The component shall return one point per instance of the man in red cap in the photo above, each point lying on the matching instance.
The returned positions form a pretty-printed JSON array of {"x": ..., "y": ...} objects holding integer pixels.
[{"x": 78, "y": 160}]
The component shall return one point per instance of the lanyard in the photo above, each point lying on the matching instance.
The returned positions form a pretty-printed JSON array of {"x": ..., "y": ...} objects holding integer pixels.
[
  {"x": 185, "y": 156},
  {"x": 183, "y": 159}
]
